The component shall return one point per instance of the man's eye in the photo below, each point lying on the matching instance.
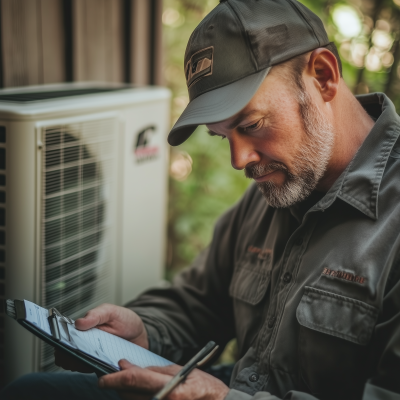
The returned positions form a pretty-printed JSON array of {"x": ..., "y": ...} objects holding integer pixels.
[{"x": 252, "y": 127}]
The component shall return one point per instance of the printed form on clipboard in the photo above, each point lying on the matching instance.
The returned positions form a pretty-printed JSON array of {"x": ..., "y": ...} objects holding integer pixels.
[{"x": 100, "y": 345}]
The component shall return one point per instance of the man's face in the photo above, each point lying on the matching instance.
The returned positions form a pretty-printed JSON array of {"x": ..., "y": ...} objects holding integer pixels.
[{"x": 280, "y": 139}]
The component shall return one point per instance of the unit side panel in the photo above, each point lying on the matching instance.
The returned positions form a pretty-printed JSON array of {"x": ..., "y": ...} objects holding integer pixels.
[
  {"x": 145, "y": 170},
  {"x": 20, "y": 245}
]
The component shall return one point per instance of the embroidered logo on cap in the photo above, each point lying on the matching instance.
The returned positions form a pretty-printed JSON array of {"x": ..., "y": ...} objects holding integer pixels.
[
  {"x": 344, "y": 275},
  {"x": 199, "y": 66}
]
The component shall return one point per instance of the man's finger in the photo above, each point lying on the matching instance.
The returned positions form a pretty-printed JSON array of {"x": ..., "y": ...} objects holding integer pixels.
[
  {"x": 172, "y": 369},
  {"x": 95, "y": 317},
  {"x": 135, "y": 379},
  {"x": 125, "y": 364}
]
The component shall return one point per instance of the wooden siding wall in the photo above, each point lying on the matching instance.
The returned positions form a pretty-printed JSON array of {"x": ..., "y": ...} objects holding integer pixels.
[{"x": 51, "y": 41}]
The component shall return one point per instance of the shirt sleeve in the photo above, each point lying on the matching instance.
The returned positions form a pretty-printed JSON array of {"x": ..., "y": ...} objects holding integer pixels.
[
  {"x": 384, "y": 382},
  {"x": 197, "y": 307}
]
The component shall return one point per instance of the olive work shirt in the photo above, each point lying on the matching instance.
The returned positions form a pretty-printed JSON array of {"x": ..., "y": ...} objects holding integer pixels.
[{"x": 310, "y": 292}]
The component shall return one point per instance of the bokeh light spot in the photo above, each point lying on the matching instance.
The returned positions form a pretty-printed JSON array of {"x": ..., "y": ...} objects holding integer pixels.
[
  {"x": 347, "y": 21},
  {"x": 181, "y": 165}
]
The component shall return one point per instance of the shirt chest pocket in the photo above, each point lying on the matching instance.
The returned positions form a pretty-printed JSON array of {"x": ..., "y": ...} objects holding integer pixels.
[
  {"x": 251, "y": 278},
  {"x": 335, "y": 332}
]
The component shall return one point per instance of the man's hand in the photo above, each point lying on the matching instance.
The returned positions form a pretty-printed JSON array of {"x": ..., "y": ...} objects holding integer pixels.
[
  {"x": 119, "y": 321},
  {"x": 135, "y": 383}
]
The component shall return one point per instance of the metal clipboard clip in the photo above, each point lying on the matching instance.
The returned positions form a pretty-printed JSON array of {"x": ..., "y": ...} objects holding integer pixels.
[{"x": 53, "y": 321}]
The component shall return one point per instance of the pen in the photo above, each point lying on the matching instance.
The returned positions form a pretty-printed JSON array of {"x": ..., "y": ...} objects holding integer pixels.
[{"x": 197, "y": 361}]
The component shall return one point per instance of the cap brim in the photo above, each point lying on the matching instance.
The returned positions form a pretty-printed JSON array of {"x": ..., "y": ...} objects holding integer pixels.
[{"x": 215, "y": 106}]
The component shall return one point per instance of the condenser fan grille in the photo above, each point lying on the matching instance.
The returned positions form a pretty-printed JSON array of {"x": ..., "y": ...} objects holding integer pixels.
[{"x": 77, "y": 163}]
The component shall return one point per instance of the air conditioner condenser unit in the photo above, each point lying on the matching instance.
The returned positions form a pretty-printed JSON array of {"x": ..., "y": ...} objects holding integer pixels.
[{"x": 83, "y": 186}]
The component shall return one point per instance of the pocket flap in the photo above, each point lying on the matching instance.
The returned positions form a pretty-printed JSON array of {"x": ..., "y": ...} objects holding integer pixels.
[
  {"x": 251, "y": 279},
  {"x": 337, "y": 315}
]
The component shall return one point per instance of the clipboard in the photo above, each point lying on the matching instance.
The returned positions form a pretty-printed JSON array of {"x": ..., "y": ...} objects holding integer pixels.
[
  {"x": 16, "y": 310},
  {"x": 96, "y": 348}
]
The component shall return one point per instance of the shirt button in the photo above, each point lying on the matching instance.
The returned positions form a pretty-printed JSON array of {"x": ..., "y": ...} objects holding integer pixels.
[
  {"x": 287, "y": 277},
  {"x": 271, "y": 322},
  {"x": 253, "y": 377}
]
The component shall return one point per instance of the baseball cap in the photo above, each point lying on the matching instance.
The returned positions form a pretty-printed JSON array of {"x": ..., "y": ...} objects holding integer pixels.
[{"x": 231, "y": 51}]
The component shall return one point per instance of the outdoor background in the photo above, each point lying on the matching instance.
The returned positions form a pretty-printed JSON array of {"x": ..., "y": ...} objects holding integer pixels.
[{"x": 202, "y": 182}]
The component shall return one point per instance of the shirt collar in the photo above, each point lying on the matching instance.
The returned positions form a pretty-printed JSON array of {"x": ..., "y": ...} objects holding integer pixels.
[{"x": 359, "y": 183}]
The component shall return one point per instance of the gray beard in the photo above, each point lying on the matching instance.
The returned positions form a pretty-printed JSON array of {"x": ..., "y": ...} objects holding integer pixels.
[{"x": 309, "y": 164}]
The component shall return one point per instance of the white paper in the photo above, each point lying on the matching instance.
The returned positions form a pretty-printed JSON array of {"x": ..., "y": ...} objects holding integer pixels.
[
  {"x": 110, "y": 348},
  {"x": 95, "y": 342},
  {"x": 38, "y": 316}
]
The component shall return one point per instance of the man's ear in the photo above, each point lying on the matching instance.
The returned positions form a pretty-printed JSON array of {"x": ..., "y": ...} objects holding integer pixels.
[{"x": 323, "y": 67}]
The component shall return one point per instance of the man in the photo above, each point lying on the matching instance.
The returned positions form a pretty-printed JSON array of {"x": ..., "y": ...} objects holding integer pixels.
[{"x": 304, "y": 270}]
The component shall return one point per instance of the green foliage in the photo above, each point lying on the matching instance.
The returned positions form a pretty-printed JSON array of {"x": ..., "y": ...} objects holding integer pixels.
[{"x": 195, "y": 203}]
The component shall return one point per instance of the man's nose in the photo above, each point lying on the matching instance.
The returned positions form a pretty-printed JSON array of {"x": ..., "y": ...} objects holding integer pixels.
[{"x": 242, "y": 153}]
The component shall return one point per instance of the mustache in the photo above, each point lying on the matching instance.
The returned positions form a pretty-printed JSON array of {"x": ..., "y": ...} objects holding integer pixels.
[{"x": 258, "y": 170}]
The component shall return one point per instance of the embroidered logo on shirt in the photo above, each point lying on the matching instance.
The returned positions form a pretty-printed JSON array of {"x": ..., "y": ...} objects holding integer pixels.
[
  {"x": 344, "y": 275},
  {"x": 262, "y": 253}
]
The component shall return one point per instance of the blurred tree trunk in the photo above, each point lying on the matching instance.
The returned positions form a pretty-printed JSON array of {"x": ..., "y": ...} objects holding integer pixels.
[
  {"x": 391, "y": 87},
  {"x": 378, "y": 5}
]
